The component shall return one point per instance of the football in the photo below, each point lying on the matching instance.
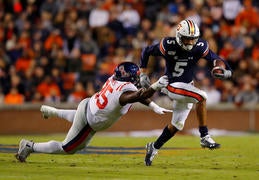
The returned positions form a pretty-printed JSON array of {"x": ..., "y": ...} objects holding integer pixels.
[
  {"x": 219, "y": 63},
  {"x": 217, "y": 70}
]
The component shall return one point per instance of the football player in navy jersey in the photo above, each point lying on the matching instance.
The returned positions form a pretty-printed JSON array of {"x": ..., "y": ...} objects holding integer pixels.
[{"x": 181, "y": 54}]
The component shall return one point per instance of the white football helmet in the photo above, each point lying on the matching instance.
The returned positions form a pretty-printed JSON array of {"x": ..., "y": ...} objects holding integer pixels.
[{"x": 187, "y": 30}]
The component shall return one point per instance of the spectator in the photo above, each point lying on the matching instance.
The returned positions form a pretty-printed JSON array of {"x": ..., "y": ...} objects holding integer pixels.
[
  {"x": 29, "y": 86},
  {"x": 248, "y": 46},
  {"x": 37, "y": 98},
  {"x": 241, "y": 70},
  {"x": 130, "y": 19},
  {"x": 71, "y": 42},
  {"x": 24, "y": 63},
  {"x": 49, "y": 6},
  {"x": 98, "y": 16},
  {"x": 255, "y": 52},
  {"x": 231, "y": 9},
  {"x": 78, "y": 94},
  {"x": 247, "y": 19},
  {"x": 49, "y": 89},
  {"x": 54, "y": 39},
  {"x": 88, "y": 45},
  {"x": 70, "y": 36},
  {"x": 114, "y": 24},
  {"x": 247, "y": 95},
  {"x": 13, "y": 49},
  {"x": 213, "y": 95},
  {"x": 59, "y": 19},
  {"x": 14, "y": 97},
  {"x": 1, "y": 96},
  {"x": 228, "y": 92},
  {"x": 53, "y": 96}
]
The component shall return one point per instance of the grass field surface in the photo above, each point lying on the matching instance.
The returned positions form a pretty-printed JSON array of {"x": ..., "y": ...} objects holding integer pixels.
[{"x": 123, "y": 158}]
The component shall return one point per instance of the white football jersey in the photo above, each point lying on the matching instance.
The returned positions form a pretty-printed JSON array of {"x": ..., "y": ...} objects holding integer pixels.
[{"x": 104, "y": 108}]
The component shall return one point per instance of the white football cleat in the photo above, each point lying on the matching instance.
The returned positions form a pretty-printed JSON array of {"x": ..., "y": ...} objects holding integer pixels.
[
  {"x": 48, "y": 111},
  {"x": 151, "y": 152},
  {"x": 25, "y": 149},
  {"x": 208, "y": 142}
]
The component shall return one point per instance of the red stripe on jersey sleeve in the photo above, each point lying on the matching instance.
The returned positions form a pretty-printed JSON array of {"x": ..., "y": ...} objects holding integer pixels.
[{"x": 161, "y": 47}]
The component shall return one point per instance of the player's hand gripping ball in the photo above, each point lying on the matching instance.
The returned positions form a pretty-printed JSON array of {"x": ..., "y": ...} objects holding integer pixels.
[{"x": 221, "y": 73}]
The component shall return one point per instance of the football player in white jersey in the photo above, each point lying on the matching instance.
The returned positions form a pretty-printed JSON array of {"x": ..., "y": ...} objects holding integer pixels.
[
  {"x": 96, "y": 113},
  {"x": 181, "y": 54}
]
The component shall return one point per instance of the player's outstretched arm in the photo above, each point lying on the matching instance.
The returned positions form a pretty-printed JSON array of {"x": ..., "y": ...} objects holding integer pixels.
[
  {"x": 143, "y": 95},
  {"x": 158, "y": 109}
]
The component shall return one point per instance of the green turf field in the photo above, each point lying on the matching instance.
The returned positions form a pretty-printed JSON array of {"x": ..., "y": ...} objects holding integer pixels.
[{"x": 123, "y": 158}]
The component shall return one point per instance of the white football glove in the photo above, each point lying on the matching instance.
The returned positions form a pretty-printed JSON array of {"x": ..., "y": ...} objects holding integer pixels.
[
  {"x": 144, "y": 80},
  {"x": 224, "y": 75},
  {"x": 161, "y": 83},
  {"x": 157, "y": 109}
]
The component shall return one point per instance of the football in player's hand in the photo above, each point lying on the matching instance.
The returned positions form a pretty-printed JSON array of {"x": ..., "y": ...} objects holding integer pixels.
[{"x": 217, "y": 70}]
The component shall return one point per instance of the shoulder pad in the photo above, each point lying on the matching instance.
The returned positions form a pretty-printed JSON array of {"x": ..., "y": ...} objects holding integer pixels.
[
  {"x": 202, "y": 46},
  {"x": 167, "y": 44}
]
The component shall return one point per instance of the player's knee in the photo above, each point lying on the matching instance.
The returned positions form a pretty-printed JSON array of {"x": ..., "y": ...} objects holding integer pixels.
[
  {"x": 178, "y": 125},
  {"x": 68, "y": 150},
  {"x": 181, "y": 105}
]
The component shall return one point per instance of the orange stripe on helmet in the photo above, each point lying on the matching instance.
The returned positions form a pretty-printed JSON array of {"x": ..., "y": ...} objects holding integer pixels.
[{"x": 191, "y": 26}]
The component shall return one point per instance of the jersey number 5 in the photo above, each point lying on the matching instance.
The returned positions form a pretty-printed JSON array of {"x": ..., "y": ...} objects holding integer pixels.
[{"x": 178, "y": 69}]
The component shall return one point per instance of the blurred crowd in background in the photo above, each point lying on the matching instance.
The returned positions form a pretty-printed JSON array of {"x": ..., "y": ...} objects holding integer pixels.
[{"x": 55, "y": 51}]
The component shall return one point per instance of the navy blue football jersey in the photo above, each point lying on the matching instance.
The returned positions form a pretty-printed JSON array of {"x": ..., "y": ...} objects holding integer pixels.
[{"x": 180, "y": 64}]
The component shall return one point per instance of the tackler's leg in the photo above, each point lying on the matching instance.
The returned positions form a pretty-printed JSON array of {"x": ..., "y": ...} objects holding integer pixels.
[
  {"x": 49, "y": 111},
  {"x": 77, "y": 138}
]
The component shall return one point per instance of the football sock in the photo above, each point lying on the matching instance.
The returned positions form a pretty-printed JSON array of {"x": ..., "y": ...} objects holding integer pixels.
[
  {"x": 66, "y": 114},
  {"x": 51, "y": 147},
  {"x": 203, "y": 131},
  {"x": 163, "y": 138}
]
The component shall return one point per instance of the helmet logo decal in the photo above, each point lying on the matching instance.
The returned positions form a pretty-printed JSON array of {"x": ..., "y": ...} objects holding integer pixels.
[
  {"x": 127, "y": 72},
  {"x": 123, "y": 72},
  {"x": 179, "y": 27},
  {"x": 187, "y": 34},
  {"x": 138, "y": 72}
]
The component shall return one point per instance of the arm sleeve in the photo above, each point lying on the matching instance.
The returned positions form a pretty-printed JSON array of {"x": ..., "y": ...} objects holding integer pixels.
[
  {"x": 152, "y": 50},
  {"x": 211, "y": 56}
]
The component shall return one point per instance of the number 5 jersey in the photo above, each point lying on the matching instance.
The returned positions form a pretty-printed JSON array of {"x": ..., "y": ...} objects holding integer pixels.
[{"x": 180, "y": 63}]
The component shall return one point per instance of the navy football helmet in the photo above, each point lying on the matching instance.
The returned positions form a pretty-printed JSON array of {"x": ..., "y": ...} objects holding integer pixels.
[{"x": 128, "y": 72}]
